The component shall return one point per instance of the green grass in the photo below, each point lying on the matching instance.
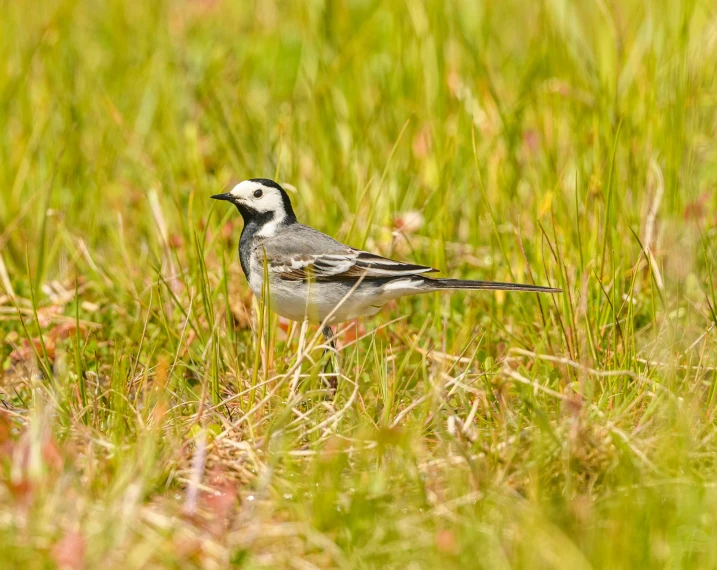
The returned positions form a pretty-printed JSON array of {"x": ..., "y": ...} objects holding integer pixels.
[{"x": 153, "y": 416}]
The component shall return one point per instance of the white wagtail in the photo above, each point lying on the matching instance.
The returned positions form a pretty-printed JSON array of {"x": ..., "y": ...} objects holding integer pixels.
[{"x": 312, "y": 276}]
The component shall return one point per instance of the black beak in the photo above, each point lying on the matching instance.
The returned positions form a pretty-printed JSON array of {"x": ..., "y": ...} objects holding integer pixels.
[{"x": 228, "y": 197}]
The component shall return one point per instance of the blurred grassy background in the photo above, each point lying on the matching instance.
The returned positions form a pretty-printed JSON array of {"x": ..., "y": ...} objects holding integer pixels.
[{"x": 147, "y": 415}]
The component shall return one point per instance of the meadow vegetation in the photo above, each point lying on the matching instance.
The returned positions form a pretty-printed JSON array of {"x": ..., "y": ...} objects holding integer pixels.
[{"x": 154, "y": 416}]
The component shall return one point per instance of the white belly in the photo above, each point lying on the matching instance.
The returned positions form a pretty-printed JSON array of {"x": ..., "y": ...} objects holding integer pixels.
[{"x": 297, "y": 300}]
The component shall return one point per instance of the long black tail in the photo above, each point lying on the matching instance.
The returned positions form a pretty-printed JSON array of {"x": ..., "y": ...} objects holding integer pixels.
[{"x": 438, "y": 284}]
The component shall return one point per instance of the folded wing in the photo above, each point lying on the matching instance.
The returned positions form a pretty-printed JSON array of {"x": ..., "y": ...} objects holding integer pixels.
[
  {"x": 352, "y": 264},
  {"x": 302, "y": 254}
]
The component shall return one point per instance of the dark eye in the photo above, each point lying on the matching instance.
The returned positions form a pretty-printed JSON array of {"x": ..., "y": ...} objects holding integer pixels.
[{"x": 258, "y": 193}]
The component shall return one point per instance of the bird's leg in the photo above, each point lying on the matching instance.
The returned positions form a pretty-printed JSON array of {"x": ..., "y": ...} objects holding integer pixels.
[
  {"x": 329, "y": 337},
  {"x": 302, "y": 344}
]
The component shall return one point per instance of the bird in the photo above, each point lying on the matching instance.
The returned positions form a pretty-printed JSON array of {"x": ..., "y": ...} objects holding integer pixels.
[{"x": 314, "y": 277}]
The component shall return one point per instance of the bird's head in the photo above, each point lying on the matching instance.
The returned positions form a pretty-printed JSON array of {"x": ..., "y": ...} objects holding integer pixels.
[{"x": 261, "y": 201}]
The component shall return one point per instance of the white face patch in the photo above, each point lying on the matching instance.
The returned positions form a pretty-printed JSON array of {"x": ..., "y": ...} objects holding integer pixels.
[{"x": 261, "y": 198}]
